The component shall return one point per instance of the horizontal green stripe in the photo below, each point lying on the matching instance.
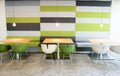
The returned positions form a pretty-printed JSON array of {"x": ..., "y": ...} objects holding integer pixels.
[
  {"x": 57, "y": 8},
  {"x": 23, "y": 19},
  {"x": 93, "y": 14},
  {"x": 92, "y": 27},
  {"x": 33, "y": 38},
  {"x": 57, "y": 33}
]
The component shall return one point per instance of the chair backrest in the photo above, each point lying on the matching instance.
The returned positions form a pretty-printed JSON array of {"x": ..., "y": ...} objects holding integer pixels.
[
  {"x": 4, "y": 47},
  {"x": 48, "y": 48},
  {"x": 67, "y": 48},
  {"x": 115, "y": 48},
  {"x": 19, "y": 48},
  {"x": 100, "y": 48}
]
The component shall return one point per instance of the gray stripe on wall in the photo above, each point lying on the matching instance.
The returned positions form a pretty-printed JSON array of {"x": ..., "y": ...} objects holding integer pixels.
[
  {"x": 23, "y": 33},
  {"x": 93, "y": 3},
  {"x": 60, "y": 20},
  {"x": 24, "y": 27}
]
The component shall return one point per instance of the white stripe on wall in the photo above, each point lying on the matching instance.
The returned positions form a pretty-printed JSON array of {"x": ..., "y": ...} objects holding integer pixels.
[
  {"x": 48, "y": 14},
  {"x": 66, "y": 3},
  {"x": 92, "y": 9},
  {"x": 9, "y": 11},
  {"x": 66, "y": 14},
  {"x": 23, "y": 33},
  {"x": 48, "y": 3},
  {"x": 27, "y": 11},
  {"x": 59, "y": 3},
  {"x": 3, "y": 30},
  {"x": 61, "y": 27},
  {"x": 93, "y": 20},
  {"x": 23, "y": 9},
  {"x": 57, "y": 14},
  {"x": 84, "y": 36}
]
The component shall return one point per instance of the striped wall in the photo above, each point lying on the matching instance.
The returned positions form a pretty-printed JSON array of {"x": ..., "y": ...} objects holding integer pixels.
[
  {"x": 77, "y": 18},
  {"x": 3, "y": 30},
  {"x": 59, "y": 11},
  {"x": 27, "y": 18},
  {"x": 89, "y": 16}
]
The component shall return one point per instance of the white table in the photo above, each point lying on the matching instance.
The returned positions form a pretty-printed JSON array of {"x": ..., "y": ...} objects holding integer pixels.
[{"x": 58, "y": 41}]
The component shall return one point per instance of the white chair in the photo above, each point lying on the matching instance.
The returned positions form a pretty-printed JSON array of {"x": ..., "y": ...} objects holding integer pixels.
[
  {"x": 48, "y": 49},
  {"x": 100, "y": 49}
]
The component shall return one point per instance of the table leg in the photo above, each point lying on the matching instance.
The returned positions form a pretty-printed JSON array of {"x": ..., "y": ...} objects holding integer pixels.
[
  {"x": 58, "y": 52},
  {"x": 17, "y": 55}
]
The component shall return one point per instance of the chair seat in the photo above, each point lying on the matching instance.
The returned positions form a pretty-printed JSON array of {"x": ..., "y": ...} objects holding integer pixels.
[
  {"x": 19, "y": 48},
  {"x": 48, "y": 48},
  {"x": 67, "y": 49},
  {"x": 100, "y": 49},
  {"x": 4, "y": 48}
]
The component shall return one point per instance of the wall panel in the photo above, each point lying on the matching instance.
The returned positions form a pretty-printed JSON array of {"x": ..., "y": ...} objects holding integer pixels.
[
  {"x": 26, "y": 16},
  {"x": 61, "y": 11},
  {"x": 77, "y": 18}
]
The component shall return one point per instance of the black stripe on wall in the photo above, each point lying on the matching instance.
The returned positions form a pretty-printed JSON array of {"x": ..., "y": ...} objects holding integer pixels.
[
  {"x": 93, "y": 3},
  {"x": 54, "y": 19},
  {"x": 24, "y": 27}
]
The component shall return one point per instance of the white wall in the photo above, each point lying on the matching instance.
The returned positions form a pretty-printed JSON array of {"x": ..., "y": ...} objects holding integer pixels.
[
  {"x": 3, "y": 31},
  {"x": 115, "y": 21}
]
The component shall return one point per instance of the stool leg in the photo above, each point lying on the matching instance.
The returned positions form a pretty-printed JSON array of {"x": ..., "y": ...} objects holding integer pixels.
[
  {"x": 44, "y": 58},
  {"x": 100, "y": 56},
  {"x": 70, "y": 58},
  {"x": 20, "y": 58},
  {"x": 92, "y": 55},
  {"x": 12, "y": 58},
  {"x": 52, "y": 58},
  {"x": 17, "y": 55},
  {"x": 63, "y": 57}
]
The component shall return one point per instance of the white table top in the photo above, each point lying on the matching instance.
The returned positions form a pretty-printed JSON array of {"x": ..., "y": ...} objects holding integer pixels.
[{"x": 99, "y": 41}]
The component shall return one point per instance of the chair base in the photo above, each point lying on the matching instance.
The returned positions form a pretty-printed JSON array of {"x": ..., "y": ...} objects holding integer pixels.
[
  {"x": 68, "y": 56},
  {"x": 18, "y": 57},
  {"x": 96, "y": 56},
  {"x": 45, "y": 55},
  {"x": 4, "y": 57}
]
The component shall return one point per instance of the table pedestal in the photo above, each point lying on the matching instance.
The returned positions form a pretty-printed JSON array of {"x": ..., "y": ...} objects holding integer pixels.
[{"x": 58, "y": 51}]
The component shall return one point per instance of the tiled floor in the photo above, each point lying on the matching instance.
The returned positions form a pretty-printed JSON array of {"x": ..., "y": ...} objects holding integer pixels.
[{"x": 81, "y": 65}]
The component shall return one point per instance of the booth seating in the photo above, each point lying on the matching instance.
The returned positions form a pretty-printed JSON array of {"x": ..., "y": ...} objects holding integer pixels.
[{"x": 83, "y": 46}]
